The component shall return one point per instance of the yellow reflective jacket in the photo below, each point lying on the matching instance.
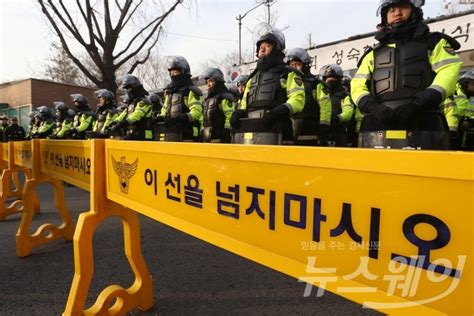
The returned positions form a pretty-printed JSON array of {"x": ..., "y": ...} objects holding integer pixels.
[
  {"x": 443, "y": 61},
  {"x": 293, "y": 85}
]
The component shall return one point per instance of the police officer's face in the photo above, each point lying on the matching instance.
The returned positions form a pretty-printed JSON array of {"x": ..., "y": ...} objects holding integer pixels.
[
  {"x": 101, "y": 101},
  {"x": 174, "y": 72},
  {"x": 210, "y": 83},
  {"x": 296, "y": 64},
  {"x": 264, "y": 49},
  {"x": 398, "y": 13},
  {"x": 470, "y": 86},
  {"x": 241, "y": 88}
]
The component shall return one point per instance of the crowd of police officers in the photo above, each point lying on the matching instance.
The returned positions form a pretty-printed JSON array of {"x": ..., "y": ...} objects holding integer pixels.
[{"x": 406, "y": 93}]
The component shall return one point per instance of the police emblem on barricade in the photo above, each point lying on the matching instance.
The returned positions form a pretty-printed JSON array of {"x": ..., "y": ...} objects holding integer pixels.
[{"x": 125, "y": 171}]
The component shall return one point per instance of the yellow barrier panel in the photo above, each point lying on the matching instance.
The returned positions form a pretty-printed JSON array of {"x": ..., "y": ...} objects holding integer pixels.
[
  {"x": 114, "y": 300},
  {"x": 391, "y": 230},
  {"x": 48, "y": 158},
  {"x": 19, "y": 160}
]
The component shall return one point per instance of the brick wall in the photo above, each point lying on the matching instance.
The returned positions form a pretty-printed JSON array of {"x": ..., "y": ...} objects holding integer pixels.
[{"x": 42, "y": 92}]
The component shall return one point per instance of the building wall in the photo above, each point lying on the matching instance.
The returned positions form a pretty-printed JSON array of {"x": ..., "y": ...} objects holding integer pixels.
[
  {"x": 46, "y": 92},
  {"x": 16, "y": 93}
]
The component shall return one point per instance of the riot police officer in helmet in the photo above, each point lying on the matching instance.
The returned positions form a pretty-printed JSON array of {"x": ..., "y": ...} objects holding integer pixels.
[
  {"x": 405, "y": 94},
  {"x": 311, "y": 125},
  {"x": 273, "y": 93},
  {"x": 106, "y": 113},
  {"x": 134, "y": 122},
  {"x": 83, "y": 120},
  {"x": 217, "y": 109},
  {"x": 182, "y": 110}
]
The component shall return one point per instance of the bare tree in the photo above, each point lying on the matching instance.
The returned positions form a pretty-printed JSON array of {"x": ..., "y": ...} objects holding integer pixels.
[
  {"x": 61, "y": 68},
  {"x": 153, "y": 74},
  {"x": 225, "y": 63},
  {"x": 113, "y": 34}
]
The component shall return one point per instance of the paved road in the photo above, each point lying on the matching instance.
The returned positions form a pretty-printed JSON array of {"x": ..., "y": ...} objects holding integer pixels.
[{"x": 190, "y": 276}]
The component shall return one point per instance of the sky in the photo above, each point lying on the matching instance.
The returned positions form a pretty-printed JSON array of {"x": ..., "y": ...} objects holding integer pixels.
[{"x": 202, "y": 31}]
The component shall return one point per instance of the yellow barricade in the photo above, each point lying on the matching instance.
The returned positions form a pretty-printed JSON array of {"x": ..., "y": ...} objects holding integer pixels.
[
  {"x": 53, "y": 162},
  {"x": 389, "y": 229},
  {"x": 17, "y": 157}
]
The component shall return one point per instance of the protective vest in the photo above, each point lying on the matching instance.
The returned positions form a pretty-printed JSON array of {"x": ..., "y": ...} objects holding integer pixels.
[
  {"x": 138, "y": 129},
  {"x": 311, "y": 107},
  {"x": 177, "y": 106},
  {"x": 336, "y": 102},
  {"x": 102, "y": 118},
  {"x": 401, "y": 72},
  {"x": 213, "y": 115},
  {"x": 265, "y": 90}
]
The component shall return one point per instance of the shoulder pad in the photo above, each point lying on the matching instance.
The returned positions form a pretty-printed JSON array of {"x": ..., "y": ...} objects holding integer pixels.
[
  {"x": 366, "y": 53},
  {"x": 435, "y": 37},
  {"x": 195, "y": 90},
  {"x": 292, "y": 69},
  {"x": 228, "y": 96}
]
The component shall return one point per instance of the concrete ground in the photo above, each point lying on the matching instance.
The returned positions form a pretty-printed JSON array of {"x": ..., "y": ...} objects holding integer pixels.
[{"x": 190, "y": 276}]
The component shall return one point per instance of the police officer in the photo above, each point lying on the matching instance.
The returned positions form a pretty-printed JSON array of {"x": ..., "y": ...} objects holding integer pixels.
[
  {"x": 83, "y": 120},
  {"x": 64, "y": 117},
  {"x": 464, "y": 98},
  {"x": 273, "y": 93},
  {"x": 311, "y": 124},
  {"x": 218, "y": 108},
  {"x": 31, "y": 124},
  {"x": 241, "y": 82},
  {"x": 136, "y": 119},
  {"x": 342, "y": 107},
  {"x": 106, "y": 113},
  {"x": 401, "y": 83},
  {"x": 182, "y": 109},
  {"x": 14, "y": 131},
  {"x": 3, "y": 127},
  {"x": 46, "y": 122}
]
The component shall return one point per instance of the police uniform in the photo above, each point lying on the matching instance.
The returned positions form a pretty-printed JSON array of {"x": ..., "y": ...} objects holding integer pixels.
[{"x": 399, "y": 85}]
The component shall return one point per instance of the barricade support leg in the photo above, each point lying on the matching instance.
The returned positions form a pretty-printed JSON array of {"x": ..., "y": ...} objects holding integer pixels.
[
  {"x": 46, "y": 232},
  {"x": 16, "y": 206},
  {"x": 113, "y": 300}
]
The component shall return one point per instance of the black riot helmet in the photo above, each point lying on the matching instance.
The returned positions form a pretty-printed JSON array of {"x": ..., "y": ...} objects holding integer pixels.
[
  {"x": 127, "y": 81},
  {"x": 242, "y": 80},
  {"x": 104, "y": 93},
  {"x": 178, "y": 62},
  {"x": 416, "y": 15},
  {"x": 299, "y": 54},
  {"x": 214, "y": 74},
  {"x": 45, "y": 112},
  {"x": 465, "y": 78},
  {"x": 60, "y": 106},
  {"x": 80, "y": 101},
  {"x": 332, "y": 70},
  {"x": 271, "y": 35}
]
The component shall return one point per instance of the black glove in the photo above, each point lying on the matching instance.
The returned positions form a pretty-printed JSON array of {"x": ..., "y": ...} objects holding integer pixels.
[
  {"x": 382, "y": 113},
  {"x": 323, "y": 134},
  {"x": 236, "y": 116},
  {"x": 171, "y": 121},
  {"x": 335, "y": 120},
  {"x": 183, "y": 118},
  {"x": 118, "y": 126},
  {"x": 277, "y": 113},
  {"x": 406, "y": 113},
  {"x": 428, "y": 99},
  {"x": 158, "y": 119}
]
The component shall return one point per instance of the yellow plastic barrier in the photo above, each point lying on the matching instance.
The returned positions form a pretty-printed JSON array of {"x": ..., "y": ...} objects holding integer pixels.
[
  {"x": 53, "y": 161},
  {"x": 17, "y": 157},
  {"x": 140, "y": 294},
  {"x": 391, "y": 230}
]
